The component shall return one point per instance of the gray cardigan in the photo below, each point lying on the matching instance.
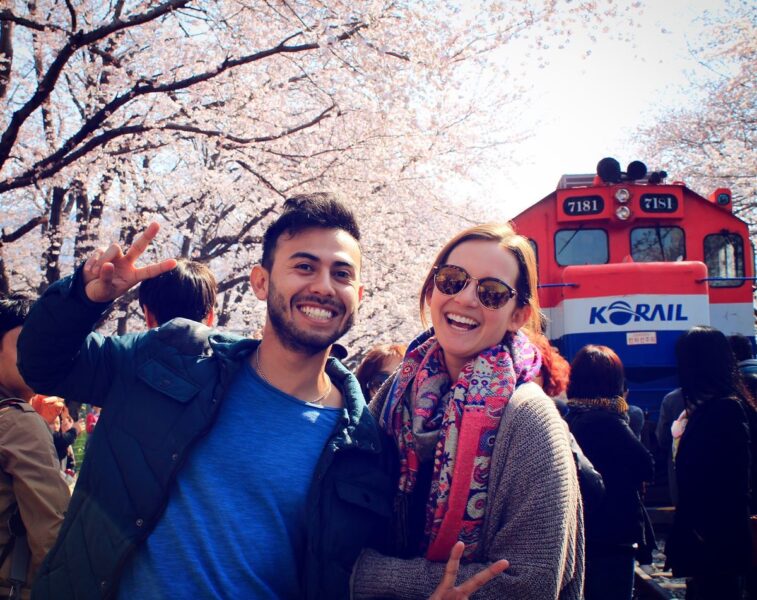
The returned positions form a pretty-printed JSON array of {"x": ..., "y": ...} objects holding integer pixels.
[{"x": 534, "y": 516}]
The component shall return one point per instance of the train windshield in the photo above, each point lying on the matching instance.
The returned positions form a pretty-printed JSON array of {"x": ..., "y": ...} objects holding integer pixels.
[
  {"x": 581, "y": 247},
  {"x": 724, "y": 257},
  {"x": 658, "y": 244}
]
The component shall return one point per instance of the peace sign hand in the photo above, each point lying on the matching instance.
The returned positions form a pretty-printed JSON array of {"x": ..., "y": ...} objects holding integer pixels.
[
  {"x": 447, "y": 590},
  {"x": 110, "y": 273}
]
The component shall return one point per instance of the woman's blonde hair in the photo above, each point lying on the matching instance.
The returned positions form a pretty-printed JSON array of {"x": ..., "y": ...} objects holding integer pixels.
[{"x": 505, "y": 236}]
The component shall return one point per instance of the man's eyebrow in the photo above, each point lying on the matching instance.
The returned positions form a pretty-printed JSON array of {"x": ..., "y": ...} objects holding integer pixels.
[{"x": 306, "y": 255}]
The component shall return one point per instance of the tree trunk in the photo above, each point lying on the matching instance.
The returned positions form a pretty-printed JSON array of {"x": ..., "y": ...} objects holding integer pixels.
[{"x": 51, "y": 256}]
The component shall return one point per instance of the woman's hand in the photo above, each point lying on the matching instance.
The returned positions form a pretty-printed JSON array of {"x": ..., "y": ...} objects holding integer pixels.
[{"x": 447, "y": 590}]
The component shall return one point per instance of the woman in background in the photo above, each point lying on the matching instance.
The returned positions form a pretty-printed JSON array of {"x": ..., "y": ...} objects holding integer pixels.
[
  {"x": 377, "y": 366},
  {"x": 598, "y": 418},
  {"x": 710, "y": 541}
]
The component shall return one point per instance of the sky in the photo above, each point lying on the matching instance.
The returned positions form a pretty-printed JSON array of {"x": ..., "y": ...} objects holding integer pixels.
[{"x": 584, "y": 108}]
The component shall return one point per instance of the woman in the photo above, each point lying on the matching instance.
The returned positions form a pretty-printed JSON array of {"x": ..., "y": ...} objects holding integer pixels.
[
  {"x": 710, "y": 540},
  {"x": 598, "y": 418},
  {"x": 464, "y": 403},
  {"x": 377, "y": 366}
]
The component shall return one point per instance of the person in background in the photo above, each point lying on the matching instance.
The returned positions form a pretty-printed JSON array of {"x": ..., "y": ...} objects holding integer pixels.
[
  {"x": 187, "y": 291},
  {"x": 379, "y": 363},
  {"x": 554, "y": 377},
  {"x": 598, "y": 418},
  {"x": 92, "y": 417},
  {"x": 710, "y": 540},
  {"x": 464, "y": 401},
  {"x": 48, "y": 407},
  {"x": 555, "y": 370},
  {"x": 65, "y": 435},
  {"x": 747, "y": 364},
  {"x": 671, "y": 407},
  {"x": 33, "y": 494}
]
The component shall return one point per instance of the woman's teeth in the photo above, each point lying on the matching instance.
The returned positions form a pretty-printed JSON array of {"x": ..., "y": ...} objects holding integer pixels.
[{"x": 461, "y": 321}]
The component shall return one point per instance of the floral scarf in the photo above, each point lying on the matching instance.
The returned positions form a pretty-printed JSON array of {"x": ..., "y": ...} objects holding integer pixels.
[{"x": 455, "y": 424}]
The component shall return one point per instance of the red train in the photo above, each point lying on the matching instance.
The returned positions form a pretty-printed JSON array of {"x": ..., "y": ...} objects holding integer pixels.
[{"x": 629, "y": 261}]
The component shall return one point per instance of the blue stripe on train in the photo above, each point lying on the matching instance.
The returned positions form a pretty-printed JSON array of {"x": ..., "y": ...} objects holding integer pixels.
[{"x": 650, "y": 368}]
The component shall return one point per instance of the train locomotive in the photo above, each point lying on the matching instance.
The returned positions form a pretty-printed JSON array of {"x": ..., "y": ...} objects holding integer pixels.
[{"x": 631, "y": 262}]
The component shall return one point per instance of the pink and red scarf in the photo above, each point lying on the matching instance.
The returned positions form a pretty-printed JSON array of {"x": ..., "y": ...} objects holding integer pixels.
[{"x": 455, "y": 424}]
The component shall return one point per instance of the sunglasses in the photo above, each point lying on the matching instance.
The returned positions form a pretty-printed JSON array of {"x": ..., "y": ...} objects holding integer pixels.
[
  {"x": 378, "y": 379},
  {"x": 491, "y": 292}
]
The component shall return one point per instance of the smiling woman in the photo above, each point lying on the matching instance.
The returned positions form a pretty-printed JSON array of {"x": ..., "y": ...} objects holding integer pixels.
[{"x": 464, "y": 402}]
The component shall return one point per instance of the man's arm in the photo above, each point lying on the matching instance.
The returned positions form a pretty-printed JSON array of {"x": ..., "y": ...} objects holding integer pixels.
[
  {"x": 28, "y": 456},
  {"x": 57, "y": 354}
]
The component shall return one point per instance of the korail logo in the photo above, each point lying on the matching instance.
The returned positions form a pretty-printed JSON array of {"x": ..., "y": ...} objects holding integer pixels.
[{"x": 622, "y": 313}]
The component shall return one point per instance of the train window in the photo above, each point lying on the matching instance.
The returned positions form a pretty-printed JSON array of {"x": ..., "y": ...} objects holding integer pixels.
[
  {"x": 581, "y": 247},
  {"x": 658, "y": 244},
  {"x": 724, "y": 257}
]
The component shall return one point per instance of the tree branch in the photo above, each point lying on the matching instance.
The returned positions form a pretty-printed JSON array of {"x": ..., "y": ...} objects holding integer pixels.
[
  {"x": 6, "y": 16},
  {"x": 7, "y": 238},
  {"x": 76, "y": 41},
  {"x": 71, "y": 12}
]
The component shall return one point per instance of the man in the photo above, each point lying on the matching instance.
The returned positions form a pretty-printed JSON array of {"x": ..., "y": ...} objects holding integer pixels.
[
  {"x": 31, "y": 485},
  {"x": 222, "y": 467},
  {"x": 188, "y": 291},
  {"x": 742, "y": 350}
]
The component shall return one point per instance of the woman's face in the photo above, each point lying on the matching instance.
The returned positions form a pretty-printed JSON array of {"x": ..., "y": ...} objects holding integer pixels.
[{"x": 463, "y": 327}]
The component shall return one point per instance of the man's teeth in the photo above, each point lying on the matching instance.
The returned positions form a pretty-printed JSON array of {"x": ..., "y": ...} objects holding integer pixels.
[
  {"x": 462, "y": 320},
  {"x": 317, "y": 313}
]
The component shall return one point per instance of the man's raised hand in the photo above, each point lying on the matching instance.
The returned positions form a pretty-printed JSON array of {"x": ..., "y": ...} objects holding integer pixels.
[
  {"x": 447, "y": 590},
  {"x": 110, "y": 273}
]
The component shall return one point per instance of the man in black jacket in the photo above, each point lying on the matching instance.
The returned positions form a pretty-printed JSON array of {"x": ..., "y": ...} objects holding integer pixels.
[{"x": 221, "y": 467}]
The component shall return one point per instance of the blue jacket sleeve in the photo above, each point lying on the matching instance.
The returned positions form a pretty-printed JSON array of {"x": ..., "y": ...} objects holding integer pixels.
[{"x": 57, "y": 353}]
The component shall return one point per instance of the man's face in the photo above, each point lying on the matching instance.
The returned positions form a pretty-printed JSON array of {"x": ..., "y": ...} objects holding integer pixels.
[
  {"x": 10, "y": 378},
  {"x": 313, "y": 289}
]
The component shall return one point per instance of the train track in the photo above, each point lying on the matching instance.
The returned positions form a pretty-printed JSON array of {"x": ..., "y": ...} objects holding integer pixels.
[{"x": 652, "y": 582}]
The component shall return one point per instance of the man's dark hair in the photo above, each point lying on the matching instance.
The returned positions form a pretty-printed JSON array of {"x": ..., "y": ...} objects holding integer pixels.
[
  {"x": 188, "y": 291},
  {"x": 320, "y": 210},
  {"x": 14, "y": 308},
  {"x": 741, "y": 346}
]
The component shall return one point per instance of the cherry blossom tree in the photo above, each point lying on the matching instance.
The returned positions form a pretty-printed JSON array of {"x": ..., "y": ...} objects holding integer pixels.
[
  {"x": 712, "y": 143},
  {"x": 207, "y": 115}
]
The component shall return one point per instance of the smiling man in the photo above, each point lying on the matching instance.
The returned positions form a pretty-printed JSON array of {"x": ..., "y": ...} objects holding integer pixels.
[{"x": 221, "y": 467}]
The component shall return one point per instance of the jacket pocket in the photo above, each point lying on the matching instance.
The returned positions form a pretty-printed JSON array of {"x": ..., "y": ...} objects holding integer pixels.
[
  {"x": 165, "y": 381},
  {"x": 373, "y": 498}
]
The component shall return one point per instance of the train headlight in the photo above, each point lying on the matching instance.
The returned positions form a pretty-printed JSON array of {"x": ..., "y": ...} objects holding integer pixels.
[
  {"x": 623, "y": 212},
  {"x": 622, "y": 195}
]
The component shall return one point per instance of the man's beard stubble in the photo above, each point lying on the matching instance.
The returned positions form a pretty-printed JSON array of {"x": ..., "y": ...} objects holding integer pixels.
[{"x": 296, "y": 339}]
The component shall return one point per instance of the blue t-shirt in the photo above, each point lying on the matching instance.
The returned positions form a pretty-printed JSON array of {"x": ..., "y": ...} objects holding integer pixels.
[{"x": 234, "y": 526}]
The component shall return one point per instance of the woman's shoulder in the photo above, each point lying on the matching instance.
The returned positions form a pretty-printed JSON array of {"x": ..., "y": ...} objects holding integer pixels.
[
  {"x": 530, "y": 394},
  {"x": 725, "y": 406},
  {"x": 531, "y": 412}
]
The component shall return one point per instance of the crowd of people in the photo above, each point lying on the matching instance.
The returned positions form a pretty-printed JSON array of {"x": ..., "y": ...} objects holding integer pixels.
[{"x": 474, "y": 461}]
